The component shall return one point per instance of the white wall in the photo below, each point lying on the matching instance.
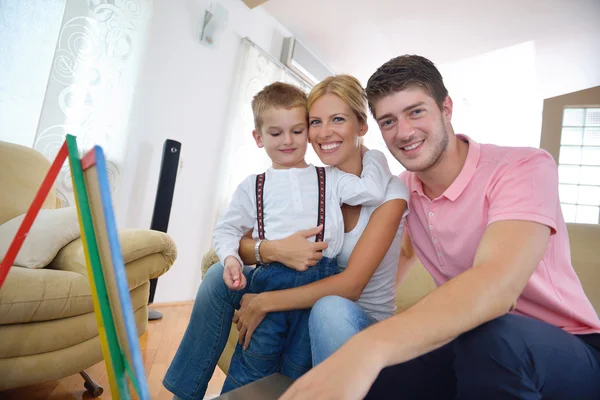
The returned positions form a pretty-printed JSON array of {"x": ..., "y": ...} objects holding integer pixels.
[
  {"x": 494, "y": 96},
  {"x": 568, "y": 57},
  {"x": 498, "y": 96},
  {"x": 183, "y": 94}
]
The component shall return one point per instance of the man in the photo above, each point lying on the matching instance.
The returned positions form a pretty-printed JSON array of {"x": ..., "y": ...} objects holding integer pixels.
[{"x": 509, "y": 319}]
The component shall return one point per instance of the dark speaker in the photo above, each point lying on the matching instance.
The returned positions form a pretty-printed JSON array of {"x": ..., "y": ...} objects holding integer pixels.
[{"x": 164, "y": 194}]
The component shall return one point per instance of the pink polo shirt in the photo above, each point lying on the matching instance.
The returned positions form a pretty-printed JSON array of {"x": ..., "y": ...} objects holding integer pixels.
[{"x": 495, "y": 184}]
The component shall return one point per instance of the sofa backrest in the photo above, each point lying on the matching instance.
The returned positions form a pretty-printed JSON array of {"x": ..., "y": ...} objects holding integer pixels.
[
  {"x": 585, "y": 256},
  {"x": 22, "y": 170}
]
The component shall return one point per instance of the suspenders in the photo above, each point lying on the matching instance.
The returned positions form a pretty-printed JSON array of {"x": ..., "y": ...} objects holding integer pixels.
[{"x": 260, "y": 183}]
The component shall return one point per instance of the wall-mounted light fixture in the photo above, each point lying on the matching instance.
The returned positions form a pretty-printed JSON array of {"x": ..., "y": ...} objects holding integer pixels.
[{"x": 215, "y": 21}]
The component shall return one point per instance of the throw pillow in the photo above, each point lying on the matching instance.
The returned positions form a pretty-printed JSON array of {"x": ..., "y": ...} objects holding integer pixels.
[{"x": 51, "y": 231}]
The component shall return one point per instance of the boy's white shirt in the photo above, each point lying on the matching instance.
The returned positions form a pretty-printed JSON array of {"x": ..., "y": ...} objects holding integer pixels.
[{"x": 291, "y": 203}]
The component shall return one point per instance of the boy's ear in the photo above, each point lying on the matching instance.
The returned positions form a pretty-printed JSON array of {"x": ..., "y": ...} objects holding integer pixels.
[{"x": 257, "y": 138}]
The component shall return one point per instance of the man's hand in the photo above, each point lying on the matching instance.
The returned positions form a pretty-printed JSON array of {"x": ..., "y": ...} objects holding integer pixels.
[
  {"x": 232, "y": 274},
  {"x": 296, "y": 252},
  {"x": 346, "y": 375},
  {"x": 248, "y": 318}
]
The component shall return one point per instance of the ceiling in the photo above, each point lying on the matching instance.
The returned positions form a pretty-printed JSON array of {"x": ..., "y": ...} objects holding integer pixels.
[{"x": 353, "y": 36}]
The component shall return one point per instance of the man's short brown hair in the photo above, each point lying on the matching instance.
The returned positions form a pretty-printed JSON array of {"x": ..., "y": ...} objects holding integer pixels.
[
  {"x": 404, "y": 72},
  {"x": 277, "y": 95}
]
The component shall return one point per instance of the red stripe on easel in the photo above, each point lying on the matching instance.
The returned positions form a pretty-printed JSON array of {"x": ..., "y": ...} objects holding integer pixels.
[
  {"x": 89, "y": 159},
  {"x": 34, "y": 208}
]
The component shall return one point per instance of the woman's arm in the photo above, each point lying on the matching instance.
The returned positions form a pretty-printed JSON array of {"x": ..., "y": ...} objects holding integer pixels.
[
  {"x": 294, "y": 251},
  {"x": 368, "y": 253},
  {"x": 407, "y": 258},
  {"x": 366, "y": 256}
]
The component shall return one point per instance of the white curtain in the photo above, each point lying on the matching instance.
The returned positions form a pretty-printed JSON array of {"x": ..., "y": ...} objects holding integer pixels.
[
  {"x": 241, "y": 157},
  {"x": 91, "y": 82}
]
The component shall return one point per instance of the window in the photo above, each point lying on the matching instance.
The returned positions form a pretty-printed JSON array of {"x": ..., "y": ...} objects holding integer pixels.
[{"x": 579, "y": 165}]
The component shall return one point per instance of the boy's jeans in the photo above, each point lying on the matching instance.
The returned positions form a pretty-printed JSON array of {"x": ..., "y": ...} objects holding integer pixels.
[
  {"x": 206, "y": 334},
  {"x": 281, "y": 343}
]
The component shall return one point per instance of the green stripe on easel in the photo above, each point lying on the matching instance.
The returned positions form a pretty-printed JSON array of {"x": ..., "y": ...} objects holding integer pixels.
[{"x": 97, "y": 283}]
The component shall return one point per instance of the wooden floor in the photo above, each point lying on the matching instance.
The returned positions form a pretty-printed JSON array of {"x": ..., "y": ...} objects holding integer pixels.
[{"x": 158, "y": 344}]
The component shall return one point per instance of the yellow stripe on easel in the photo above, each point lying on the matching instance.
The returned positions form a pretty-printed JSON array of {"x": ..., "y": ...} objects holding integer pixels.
[{"x": 112, "y": 380}]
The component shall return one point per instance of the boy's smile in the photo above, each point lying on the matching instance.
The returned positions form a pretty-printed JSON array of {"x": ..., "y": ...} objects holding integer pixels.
[{"x": 284, "y": 136}]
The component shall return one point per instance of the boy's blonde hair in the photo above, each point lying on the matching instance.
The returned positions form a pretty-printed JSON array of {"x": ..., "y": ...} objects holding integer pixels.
[
  {"x": 278, "y": 95},
  {"x": 347, "y": 88}
]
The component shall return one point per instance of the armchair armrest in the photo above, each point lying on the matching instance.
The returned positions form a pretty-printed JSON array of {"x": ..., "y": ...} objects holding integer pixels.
[
  {"x": 209, "y": 259},
  {"x": 135, "y": 245}
]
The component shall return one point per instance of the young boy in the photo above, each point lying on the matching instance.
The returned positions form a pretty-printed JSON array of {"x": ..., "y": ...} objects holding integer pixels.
[{"x": 290, "y": 196}]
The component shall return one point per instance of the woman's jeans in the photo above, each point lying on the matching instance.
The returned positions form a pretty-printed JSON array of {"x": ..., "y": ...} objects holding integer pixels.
[
  {"x": 333, "y": 320},
  {"x": 511, "y": 357},
  {"x": 210, "y": 323}
]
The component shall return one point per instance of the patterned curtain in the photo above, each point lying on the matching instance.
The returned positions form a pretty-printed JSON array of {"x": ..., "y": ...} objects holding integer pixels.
[
  {"x": 241, "y": 157},
  {"x": 92, "y": 81}
]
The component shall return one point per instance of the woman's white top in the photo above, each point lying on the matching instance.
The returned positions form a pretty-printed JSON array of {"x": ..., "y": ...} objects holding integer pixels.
[{"x": 378, "y": 299}]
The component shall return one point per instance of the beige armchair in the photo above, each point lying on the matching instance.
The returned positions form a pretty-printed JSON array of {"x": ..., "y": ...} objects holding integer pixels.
[
  {"x": 585, "y": 254},
  {"x": 47, "y": 325}
]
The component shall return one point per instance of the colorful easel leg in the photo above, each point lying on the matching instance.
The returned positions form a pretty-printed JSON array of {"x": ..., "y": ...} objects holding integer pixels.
[
  {"x": 113, "y": 267},
  {"x": 106, "y": 328}
]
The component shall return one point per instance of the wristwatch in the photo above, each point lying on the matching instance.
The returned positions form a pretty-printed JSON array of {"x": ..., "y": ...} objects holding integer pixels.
[{"x": 257, "y": 251}]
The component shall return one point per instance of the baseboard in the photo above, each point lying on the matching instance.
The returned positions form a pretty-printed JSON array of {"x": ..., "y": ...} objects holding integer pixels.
[{"x": 171, "y": 304}]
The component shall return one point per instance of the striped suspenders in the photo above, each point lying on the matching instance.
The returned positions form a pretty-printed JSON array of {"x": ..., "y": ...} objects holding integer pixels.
[{"x": 260, "y": 184}]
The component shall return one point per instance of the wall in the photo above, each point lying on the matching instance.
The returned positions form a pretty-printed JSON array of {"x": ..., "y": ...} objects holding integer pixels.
[
  {"x": 182, "y": 94},
  {"x": 498, "y": 96}
]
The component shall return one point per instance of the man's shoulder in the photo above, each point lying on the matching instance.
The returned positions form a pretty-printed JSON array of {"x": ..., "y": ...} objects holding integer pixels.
[
  {"x": 407, "y": 177},
  {"x": 506, "y": 157}
]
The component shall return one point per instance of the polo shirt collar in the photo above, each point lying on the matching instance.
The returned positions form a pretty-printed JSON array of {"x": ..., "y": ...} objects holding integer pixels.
[{"x": 463, "y": 178}]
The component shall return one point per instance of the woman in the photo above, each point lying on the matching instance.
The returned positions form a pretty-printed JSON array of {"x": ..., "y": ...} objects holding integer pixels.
[{"x": 337, "y": 121}]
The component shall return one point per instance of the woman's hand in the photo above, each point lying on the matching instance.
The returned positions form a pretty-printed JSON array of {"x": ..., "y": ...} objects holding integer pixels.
[
  {"x": 249, "y": 316},
  {"x": 295, "y": 251},
  {"x": 346, "y": 375}
]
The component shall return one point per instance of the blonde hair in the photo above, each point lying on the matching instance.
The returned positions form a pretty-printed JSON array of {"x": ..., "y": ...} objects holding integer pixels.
[
  {"x": 277, "y": 95},
  {"x": 347, "y": 88}
]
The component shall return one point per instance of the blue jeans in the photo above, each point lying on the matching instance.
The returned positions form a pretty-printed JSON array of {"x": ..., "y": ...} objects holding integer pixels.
[
  {"x": 333, "y": 320},
  {"x": 205, "y": 336},
  {"x": 281, "y": 343},
  {"x": 511, "y": 357}
]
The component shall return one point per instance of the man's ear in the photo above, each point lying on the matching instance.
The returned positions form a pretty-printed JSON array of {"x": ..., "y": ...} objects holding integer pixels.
[
  {"x": 447, "y": 106},
  {"x": 257, "y": 138}
]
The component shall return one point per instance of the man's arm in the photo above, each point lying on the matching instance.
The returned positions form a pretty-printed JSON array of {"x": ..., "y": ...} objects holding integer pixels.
[{"x": 507, "y": 256}]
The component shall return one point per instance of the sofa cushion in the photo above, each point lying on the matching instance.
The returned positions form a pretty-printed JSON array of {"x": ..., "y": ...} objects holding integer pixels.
[
  {"x": 50, "y": 232},
  {"x": 23, "y": 170},
  {"x": 42, "y": 294},
  {"x": 42, "y": 367},
  {"x": 62, "y": 289},
  {"x": 20, "y": 340}
]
